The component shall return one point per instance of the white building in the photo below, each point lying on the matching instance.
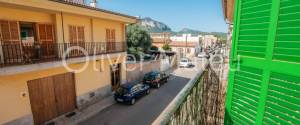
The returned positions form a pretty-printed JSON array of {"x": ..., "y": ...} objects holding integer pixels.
[
  {"x": 184, "y": 49},
  {"x": 209, "y": 41},
  {"x": 186, "y": 37},
  {"x": 193, "y": 42}
]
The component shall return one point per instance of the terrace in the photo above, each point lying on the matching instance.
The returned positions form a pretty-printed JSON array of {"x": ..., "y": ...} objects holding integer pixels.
[{"x": 12, "y": 54}]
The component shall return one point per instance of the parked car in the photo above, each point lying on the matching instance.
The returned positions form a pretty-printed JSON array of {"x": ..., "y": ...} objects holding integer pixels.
[
  {"x": 128, "y": 93},
  {"x": 202, "y": 55},
  {"x": 185, "y": 62},
  {"x": 155, "y": 78}
]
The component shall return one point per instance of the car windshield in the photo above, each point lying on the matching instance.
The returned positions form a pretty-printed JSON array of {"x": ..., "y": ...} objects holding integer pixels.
[
  {"x": 122, "y": 90},
  {"x": 150, "y": 76}
]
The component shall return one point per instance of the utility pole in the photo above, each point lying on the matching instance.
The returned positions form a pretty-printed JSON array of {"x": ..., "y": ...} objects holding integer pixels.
[{"x": 186, "y": 38}]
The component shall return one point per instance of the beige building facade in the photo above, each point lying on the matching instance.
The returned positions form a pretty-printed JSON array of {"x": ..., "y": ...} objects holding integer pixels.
[{"x": 35, "y": 85}]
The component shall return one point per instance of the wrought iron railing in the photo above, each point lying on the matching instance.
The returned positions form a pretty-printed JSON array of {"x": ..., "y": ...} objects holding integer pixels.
[
  {"x": 198, "y": 103},
  {"x": 29, "y": 53}
]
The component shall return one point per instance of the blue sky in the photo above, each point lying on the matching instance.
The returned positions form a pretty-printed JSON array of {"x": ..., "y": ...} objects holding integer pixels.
[{"x": 204, "y": 15}]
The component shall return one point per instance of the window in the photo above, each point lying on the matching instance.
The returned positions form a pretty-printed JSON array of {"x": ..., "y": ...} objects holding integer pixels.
[
  {"x": 135, "y": 89},
  {"x": 188, "y": 50},
  {"x": 110, "y": 39},
  {"x": 9, "y": 31},
  {"x": 110, "y": 35},
  {"x": 76, "y": 34}
]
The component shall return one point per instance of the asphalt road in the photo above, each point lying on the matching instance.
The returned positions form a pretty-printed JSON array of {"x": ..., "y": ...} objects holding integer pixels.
[{"x": 146, "y": 109}]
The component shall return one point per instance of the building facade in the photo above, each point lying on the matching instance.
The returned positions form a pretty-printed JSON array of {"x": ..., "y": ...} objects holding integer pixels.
[
  {"x": 160, "y": 39},
  {"x": 35, "y": 36},
  {"x": 184, "y": 49},
  {"x": 209, "y": 41},
  {"x": 186, "y": 37}
]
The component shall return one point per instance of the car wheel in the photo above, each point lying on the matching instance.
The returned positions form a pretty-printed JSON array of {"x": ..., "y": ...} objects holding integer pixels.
[
  {"x": 148, "y": 91},
  {"x": 132, "y": 101},
  {"x": 157, "y": 85}
]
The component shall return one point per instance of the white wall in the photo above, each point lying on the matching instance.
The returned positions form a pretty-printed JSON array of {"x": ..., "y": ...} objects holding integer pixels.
[
  {"x": 209, "y": 40},
  {"x": 189, "y": 38}
]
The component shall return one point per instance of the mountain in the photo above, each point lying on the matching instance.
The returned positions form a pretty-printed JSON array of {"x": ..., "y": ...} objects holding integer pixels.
[
  {"x": 154, "y": 26},
  {"x": 189, "y": 31}
]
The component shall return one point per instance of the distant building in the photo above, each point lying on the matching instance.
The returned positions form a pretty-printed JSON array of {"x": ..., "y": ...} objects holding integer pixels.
[
  {"x": 228, "y": 12},
  {"x": 184, "y": 49},
  {"x": 186, "y": 37},
  {"x": 160, "y": 39},
  {"x": 209, "y": 41},
  {"x": 186, "y": 44}
]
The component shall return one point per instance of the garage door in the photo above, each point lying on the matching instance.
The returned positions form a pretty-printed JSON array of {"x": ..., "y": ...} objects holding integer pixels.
[{"x": 52, "y": 96}]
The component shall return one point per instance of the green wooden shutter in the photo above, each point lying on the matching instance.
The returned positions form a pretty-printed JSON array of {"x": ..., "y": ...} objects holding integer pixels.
[{"x": 264, "y": 79}]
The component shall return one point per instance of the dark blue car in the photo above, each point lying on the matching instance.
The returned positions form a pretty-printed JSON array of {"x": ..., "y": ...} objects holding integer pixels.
[
  {"x": 128, "y": 93},
  {"x": 155, "y": 78}
]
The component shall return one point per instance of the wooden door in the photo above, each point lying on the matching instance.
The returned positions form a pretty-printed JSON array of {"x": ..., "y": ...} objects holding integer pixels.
[
  {"x": 64, "y": 87},
  {"x": 46, "y": 40},
  {"x": 52, "y": 96},
  {"x": 115, "y": 76},
  {"x": 42, "y": 100}
]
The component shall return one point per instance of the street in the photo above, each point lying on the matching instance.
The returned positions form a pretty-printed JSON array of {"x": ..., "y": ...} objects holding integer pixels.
[{"x": 148, "y": 108}]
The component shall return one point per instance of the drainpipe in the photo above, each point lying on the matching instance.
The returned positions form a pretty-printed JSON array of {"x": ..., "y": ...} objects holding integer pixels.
[{"x": 62, "y": 26}]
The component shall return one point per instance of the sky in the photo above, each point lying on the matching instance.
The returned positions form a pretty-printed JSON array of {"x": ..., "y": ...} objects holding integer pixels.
[{"x": 203, "y": 15}]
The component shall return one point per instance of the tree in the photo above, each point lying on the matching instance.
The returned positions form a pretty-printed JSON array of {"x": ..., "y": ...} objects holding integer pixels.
[
  {"x": 138, "y": 40},
  {"x": 167, "y": 47}
]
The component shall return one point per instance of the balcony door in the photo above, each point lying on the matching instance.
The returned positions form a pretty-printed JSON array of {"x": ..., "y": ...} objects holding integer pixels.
[
  {"x": 46, "y": 40},
  {"x": 76, "y": 38},
  {"x": 11, "y": 49},
  {"x": 111, "y": 40}
]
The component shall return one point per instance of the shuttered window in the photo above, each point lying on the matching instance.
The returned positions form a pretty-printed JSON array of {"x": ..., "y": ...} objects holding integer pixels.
[
  {"x": 287, "y": 44},
  {"x": 10, "y": 32},
  {"x": 76, "y": 34},
  {"x": 254, "y": 24},
  {"x": 264, "y": 84},
  {"x": 11, "y": 43},
  {"x": 46, "y": 33},
  {"x": 111, "y": 39},
  {"x": 80, "y": 32},
  {"x": 110, "y": 35}
]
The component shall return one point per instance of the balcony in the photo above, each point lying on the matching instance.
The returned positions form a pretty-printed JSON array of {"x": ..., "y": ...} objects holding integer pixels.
[
  {"x": 14, "y": 54},
  {"x": 200, "y": 102}
]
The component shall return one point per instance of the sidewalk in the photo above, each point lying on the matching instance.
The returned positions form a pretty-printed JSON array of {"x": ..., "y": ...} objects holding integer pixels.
[{"x": 84, "y": 114}]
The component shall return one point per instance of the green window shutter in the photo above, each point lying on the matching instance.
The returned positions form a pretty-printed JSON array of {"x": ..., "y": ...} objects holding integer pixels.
[
  {"x": 247, "y": 84},
  {"x": 283, "y": 100},
  {"x": 254, "y": 24},
  {"x": 264, "y": 84},
  {"x": 287, "y": 45}
]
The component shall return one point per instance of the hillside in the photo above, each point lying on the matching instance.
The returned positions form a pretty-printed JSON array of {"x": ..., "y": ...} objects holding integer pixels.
[{"x": 154, "y": 26}]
